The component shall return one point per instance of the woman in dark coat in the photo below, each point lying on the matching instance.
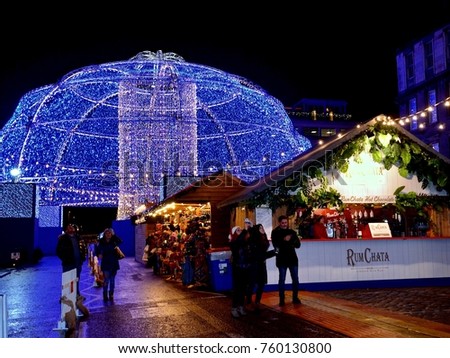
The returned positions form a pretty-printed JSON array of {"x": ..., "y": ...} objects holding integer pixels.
[
  {"x": 240, "y": 263},
  {"x": 259, "y": 244},
  {"x": 107, "y": 254}
]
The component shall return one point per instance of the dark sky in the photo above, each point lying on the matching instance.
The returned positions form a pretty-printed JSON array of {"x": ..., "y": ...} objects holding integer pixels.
[{"x": 304, "y": 51}]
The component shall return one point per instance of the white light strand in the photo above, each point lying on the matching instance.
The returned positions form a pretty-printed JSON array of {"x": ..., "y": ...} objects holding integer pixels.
[{"x": 422, "y": 113}]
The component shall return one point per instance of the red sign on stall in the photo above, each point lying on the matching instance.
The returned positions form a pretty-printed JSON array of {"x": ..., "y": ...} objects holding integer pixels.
[{"x": 329, "y": 214}]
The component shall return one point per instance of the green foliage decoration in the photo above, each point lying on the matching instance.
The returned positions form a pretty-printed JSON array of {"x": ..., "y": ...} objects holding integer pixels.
[
  {"x": 420, "y": 203},
  {"x": 387, "y": 147}
]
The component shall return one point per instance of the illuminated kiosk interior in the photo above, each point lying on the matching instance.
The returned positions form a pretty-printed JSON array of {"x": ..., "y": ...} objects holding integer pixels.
[{"x": 106, "y": 135}]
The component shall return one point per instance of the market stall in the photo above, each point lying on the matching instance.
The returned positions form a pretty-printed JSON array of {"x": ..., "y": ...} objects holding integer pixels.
[
  {"x": 379, "y": 198},
  {"x": 188, "y": 230},
  {"x": 369, "y": 263}
]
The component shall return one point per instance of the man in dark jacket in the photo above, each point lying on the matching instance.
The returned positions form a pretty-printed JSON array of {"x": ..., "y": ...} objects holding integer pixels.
[
  {"x": 71, "y": 250},
  {"x": 285, "y": 241}
]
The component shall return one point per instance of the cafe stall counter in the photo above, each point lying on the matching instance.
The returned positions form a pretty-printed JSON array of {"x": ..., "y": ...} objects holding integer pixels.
[{"x": 328, "y": 264}]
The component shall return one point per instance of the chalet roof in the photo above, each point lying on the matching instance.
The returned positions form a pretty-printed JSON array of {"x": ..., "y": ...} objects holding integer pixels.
[
  {"x": 215, "y": 187},
  {"x": 318, "y": 152}
]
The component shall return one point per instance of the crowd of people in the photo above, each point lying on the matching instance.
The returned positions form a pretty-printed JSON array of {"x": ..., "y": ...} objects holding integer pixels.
[
  {"x": 180, "y": 255},
  {"x": 249, "y": 252}
]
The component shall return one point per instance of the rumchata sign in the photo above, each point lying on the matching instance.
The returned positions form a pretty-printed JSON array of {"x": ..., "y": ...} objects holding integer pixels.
[
  {"x": 380, "y": 229},
  {"x": 361, "y": 199}
]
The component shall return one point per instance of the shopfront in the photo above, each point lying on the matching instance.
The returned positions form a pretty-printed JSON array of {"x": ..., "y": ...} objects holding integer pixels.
[
  {"x": 380, "y": 225},
  {"x": 352, "y": 263},
  {"x": 188, "y": 231}
]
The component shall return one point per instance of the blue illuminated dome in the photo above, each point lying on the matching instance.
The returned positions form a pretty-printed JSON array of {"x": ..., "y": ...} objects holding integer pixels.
[{"x": 106, "y": 135}]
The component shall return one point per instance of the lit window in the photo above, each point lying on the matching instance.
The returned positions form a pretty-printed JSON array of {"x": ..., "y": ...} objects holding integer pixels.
[
  {"x": 327, "y": 132},
  {"x": 432, "y": 105},
  {"x": 413, "y": 111},
  {"x": 311, "y": 131},
  {"x": 435, "y": 146}
]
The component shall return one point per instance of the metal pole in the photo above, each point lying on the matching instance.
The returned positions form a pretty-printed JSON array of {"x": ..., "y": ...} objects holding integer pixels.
[{"x": 3, "y": 316}]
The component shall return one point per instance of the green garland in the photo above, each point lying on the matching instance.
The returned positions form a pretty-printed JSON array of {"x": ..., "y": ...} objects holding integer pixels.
[{"x": 387, "y": 147}]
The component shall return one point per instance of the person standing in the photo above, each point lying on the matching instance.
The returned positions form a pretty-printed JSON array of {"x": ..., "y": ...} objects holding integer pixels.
[
  {"x": 240, "y": 265},
  {"x": 285, "y": 241},
  {"x": 71, "y": 250},
  {"x": 259, "y": 245},
  {"x": 107, "y": 254},
  {"x": 319, "y": 228}
]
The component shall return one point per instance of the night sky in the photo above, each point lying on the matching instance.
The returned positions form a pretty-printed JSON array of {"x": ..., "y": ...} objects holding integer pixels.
[{"x": 293, "y": 52}]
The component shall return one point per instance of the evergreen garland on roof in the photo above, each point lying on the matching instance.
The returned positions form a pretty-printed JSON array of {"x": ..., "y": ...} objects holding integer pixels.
[{"x": 387, "y": 145}]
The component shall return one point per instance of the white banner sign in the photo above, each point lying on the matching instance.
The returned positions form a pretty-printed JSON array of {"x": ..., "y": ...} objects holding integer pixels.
[
  {"x": 380, "y": 229},
  {"x": 352, "y": 260}
]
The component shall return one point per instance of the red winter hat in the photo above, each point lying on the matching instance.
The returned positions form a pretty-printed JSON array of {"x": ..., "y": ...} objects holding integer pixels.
[{"x": 234, "y": 234}]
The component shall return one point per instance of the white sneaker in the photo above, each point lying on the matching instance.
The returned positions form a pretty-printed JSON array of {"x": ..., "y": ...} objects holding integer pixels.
[
  {"x": 235, "y": 312},
  {"x": 242, "y": 311}
]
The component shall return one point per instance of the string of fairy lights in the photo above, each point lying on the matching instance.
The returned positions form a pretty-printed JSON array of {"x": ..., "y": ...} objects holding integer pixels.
[
  {"x": 105, "y": 197},
  {"x": 87, "y": 140},
  {"x": 421, "y": 117},
  {"x": 424, "y": 113}
]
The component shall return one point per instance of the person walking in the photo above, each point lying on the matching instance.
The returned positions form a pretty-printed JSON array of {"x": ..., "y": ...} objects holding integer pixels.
[
  {"x": 285, "y": 241},
  {"x": 240, "y": 264},
  {"x": 71, "y": 250},
  {"x": 109, "y": 261},
  {"x": 259, "y": 245}
]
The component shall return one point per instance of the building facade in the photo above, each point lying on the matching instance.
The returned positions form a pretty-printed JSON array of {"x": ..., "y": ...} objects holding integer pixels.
[
  {"x": 320, "y": 119},
  {"x": 423, "y": 77}
]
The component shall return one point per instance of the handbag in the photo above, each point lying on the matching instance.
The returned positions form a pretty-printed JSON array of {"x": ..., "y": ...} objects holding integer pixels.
[
  {"x": 270, "y": 253},
  {"x": 120, "y": 255},
  {"x": 145, "y": 256}
]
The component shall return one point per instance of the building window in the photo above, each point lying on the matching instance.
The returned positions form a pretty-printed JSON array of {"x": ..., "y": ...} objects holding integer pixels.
[
  {"x": 447, "y": 38},
  {"x": 410, "y": 67},
  {"x": 310, "y": 131},
  {"x": 327, "y": 132},
  {"x": 435, "y": 146},
  {"x": 429, "y": 61},
  {"x": 412, "y": 112},
  {"x": 432, "y": 105}
]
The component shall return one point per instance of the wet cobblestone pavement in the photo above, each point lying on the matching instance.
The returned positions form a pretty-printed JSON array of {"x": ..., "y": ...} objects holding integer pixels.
[
  {"x": 145, "y": 305},
  {"x": 431, "y": 303},
  {"x": 149, "y": 306}
]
